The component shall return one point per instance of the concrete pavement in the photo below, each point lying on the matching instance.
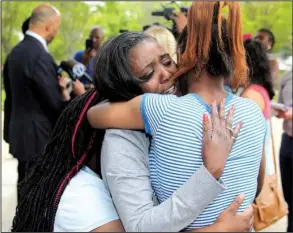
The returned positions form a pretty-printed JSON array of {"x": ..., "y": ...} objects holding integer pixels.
[{"x": 9, "y": 180}]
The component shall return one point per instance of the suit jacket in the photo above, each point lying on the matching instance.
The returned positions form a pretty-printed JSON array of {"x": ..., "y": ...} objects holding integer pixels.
[
  {"x": 34, "y": 100},
  {"x": 7, "y": 102}
]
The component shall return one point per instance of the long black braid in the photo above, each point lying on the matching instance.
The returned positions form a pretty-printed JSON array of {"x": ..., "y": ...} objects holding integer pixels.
[
  {"x": 38, "y": 198},
  {"x": 74, "y": 142}
]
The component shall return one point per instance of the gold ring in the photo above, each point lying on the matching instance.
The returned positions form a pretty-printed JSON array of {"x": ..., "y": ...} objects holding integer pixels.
[
  {"x": 208, "y": 130},
  {"x": 230, "y": 129},
  {"x": 223, "y": 118},
  {"x": 233, "y": 138},
  {"x": 229, "y": 123}
]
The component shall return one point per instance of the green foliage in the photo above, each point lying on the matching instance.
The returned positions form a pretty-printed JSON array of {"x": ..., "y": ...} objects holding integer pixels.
[
  {"x": 79, "y": 17},
  {"x": 276, "y": 16}
]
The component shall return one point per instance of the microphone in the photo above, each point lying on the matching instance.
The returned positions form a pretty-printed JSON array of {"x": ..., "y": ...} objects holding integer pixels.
[
  {"x": 75, "y": 70},
  {"x": 66, "y": 67}
]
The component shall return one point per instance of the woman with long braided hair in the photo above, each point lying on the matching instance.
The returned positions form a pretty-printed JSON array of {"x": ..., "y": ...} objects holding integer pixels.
[{"x": 61, "y": 193}]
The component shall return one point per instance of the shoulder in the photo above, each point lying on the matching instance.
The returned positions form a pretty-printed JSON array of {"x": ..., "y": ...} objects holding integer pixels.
[
  {"x": 244, "y": 102},
  {"x": 78, "y": 55},
  {"x": 80, "y": 52},
  {"x": 85, "y": 204},
  {"x": 134, "y": 136},
  {"x": 247, "y": 108},
  {"x": 159, "y": 99},
  {"x": 31, "y": 49},
  {"x": 126, "y": 146},
  {"x": 258, "y": 94},
  {"x": 161, "y": 103},
  {"x": 33, "y": 45}
]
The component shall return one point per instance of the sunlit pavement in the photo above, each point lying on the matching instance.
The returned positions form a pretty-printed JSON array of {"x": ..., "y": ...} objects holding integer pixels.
[{"x": 9, "y": 180}]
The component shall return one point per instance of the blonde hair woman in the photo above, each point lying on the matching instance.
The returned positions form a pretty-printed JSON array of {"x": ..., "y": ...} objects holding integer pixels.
[{"x": 165, "y": 38}]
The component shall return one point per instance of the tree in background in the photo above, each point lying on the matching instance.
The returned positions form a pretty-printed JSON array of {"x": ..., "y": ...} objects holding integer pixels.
[
  {"x": 76, "y": 22},
  {"x": 79, "y": 17},
  {"x": 276, "y": 16}
]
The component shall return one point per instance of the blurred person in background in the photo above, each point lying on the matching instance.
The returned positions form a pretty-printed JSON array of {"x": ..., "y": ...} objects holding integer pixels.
[
  {"x": 267, "y": 39},
  {"x": 25, "y": 25},
  {"x": 165, "y": 38},
  {"x": 92, "y": 44},
  {"x": 260, "y": 90},
  {"x": 286, "y": 156},
  {"x": 36, "y": 96}
]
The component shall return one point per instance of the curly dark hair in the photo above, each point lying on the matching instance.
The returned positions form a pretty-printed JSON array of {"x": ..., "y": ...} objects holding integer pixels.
[{"x": 259, "y": 67}]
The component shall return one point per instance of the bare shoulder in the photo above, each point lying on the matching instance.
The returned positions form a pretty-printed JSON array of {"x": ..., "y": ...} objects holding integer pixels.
[{"x": 256, "y": 97}]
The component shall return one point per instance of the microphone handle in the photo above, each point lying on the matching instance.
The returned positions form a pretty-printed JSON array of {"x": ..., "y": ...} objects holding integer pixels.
[{"x": 89, "y": 78}]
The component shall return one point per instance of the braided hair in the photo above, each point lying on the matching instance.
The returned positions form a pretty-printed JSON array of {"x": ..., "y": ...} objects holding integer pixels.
[{"x": 74, "y": 142}]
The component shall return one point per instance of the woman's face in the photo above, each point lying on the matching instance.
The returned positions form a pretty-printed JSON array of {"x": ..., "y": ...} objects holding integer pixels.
[{"x": 149, "y": 62}]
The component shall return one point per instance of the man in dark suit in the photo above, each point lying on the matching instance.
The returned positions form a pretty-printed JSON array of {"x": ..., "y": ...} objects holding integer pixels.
[{"x": 36, "y": 97}]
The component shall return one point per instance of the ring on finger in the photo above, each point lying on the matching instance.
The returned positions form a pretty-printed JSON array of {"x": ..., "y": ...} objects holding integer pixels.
[
  {"x": 233, "y": 138},
  {"x": 206, "y": 129},
  {"x": 222, "y": 118},
  {"x": 229, "y": 123},
  {"x": 230, "y": 130}
]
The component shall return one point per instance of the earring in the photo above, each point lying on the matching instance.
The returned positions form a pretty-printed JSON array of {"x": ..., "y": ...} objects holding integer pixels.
[{"x": 269, "y": 47}]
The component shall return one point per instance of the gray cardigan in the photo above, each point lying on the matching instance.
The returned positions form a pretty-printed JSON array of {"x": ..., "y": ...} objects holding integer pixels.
[{"x": 125, "y": 171}]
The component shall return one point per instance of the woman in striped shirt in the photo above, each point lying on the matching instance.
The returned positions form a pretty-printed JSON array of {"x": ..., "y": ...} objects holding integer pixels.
[{"x": 207, "y": 57}]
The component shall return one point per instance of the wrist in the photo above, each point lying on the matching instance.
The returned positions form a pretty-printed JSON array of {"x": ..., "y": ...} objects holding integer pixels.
[
  {"x": 215, "y": 171},
  {"x": 66, "y": 95},
  {"x": 220, "y": 227},
  {"x": 216, "y": 227}
]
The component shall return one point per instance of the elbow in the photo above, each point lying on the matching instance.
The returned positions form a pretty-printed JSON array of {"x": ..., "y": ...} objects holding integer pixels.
[{"x": 90, "y": 118}]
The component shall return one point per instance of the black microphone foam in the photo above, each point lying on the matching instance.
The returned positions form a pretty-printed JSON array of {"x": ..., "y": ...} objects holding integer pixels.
[
  {"x": 68, "y": 68},
  {"x": 71, "y": 65}
]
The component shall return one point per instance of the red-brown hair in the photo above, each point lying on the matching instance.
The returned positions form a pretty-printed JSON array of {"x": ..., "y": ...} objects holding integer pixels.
[{"x": 196, "y": 54}]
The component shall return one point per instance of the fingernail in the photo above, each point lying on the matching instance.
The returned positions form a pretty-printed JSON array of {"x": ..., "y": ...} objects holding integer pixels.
[
  {"x": 233, "y": 108},
  {"x": 240, "y": 198},
  {"x": 241, "y": 123},
  {"x": 205, "y": 118}
]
